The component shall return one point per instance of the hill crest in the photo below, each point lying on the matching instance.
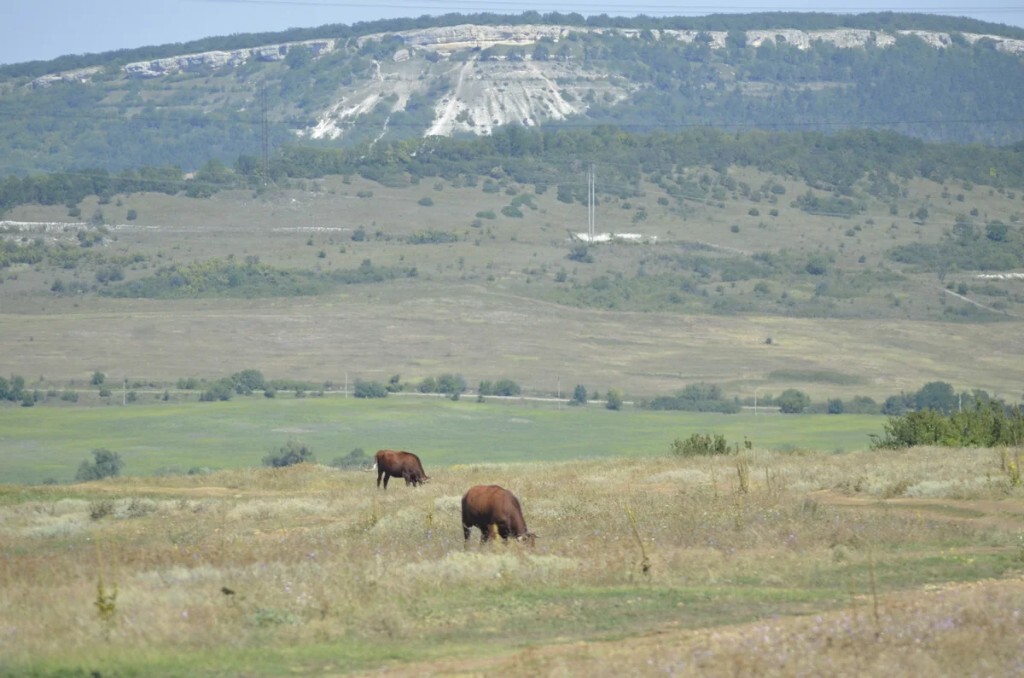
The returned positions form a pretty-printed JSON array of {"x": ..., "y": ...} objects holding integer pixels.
[{"x": 486, "y": 91}]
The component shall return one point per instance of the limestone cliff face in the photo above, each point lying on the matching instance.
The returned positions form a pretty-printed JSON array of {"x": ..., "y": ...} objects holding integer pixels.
[
  {"x": 453, "y": 38},
  {"x": 476, "y": 93},
  {"x": 191, "y": 62},
  {"x": 217, "y": 59},
  {"x": 483, "y": 93}
]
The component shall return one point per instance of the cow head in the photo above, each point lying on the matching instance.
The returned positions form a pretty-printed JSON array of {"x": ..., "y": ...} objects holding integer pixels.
[{"x": 530, "y": 539}]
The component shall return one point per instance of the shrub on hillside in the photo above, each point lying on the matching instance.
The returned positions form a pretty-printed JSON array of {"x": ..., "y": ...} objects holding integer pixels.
[
  {"x": 792, "y": 401},
  {"x": 451, "y": 385},
  {"x": 502, "y": 387},
  {"x": 248, "y": 381},
  {"x": 222, "y": 390},
  {"x": 290, "y": 454},
  {"x": 369, "y": 389},
  {"x": 356, "y": 459},
  {"x": 105, "y": 464},
  {"x": 700, "y": 397},
  {"x": 702, "y": 445}
]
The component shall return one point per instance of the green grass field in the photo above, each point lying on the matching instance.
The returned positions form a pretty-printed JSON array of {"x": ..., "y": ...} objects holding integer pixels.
[{"x": 43, "y": 443}]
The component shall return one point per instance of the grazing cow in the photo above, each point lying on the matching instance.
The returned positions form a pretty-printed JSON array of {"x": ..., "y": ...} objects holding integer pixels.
[
  {"x": 489, "y": 507},
  {"x": 400, "y": 465}
]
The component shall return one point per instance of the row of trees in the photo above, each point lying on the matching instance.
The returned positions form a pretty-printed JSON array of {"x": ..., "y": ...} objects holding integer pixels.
[
  {"x": 936, "y": 396},
  {"x": 544, "y": 156},
  {"x": 248, "y": 279}
]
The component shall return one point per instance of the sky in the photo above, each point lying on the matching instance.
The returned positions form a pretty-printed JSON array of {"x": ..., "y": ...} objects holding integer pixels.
[{"x": 44, "y": 29}]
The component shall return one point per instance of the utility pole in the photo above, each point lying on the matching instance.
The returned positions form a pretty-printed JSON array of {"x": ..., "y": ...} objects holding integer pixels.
[
  {"x": 591, "y": 203},
  {"x": 264, "y": 138}
]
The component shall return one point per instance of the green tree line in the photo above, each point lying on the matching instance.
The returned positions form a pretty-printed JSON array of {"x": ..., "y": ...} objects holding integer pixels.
[
  {"x": 545, "y": 157},
  {"x": 983, "y": 425}
]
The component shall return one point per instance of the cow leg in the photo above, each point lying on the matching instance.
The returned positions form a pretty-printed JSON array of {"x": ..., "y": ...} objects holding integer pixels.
[
  {"x": 387, "y": 477},
  {"x": 380, "y": 472},
  {"x": 490, "y": 531}
]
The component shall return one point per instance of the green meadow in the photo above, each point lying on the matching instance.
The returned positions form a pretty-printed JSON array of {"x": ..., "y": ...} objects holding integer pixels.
[{"x": 48, "y": 443}]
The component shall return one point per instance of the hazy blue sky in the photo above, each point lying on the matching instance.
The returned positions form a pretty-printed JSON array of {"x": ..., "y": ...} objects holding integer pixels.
[{"x": 43, "y": 29}]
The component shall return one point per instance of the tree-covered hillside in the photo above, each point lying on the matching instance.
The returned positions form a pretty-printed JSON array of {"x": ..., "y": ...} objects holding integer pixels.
[
  {"x": 846, "y": 165},
  {"x": 375, "y": 82}
]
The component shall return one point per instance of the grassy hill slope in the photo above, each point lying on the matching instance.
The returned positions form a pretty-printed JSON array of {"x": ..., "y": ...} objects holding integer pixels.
[{"x": 489, "y": 296}]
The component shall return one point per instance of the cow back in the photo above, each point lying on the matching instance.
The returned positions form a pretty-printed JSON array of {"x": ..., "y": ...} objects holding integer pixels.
[
  {"x": 485, "y": 505},
  {"x": 399, "y": 463}
]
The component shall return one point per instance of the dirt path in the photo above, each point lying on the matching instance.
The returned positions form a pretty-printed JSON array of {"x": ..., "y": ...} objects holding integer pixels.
[
  {"x": 1004, "y": 513},
  {"x": 852, "y": 641},
  {"x": 445, "y": 121}
]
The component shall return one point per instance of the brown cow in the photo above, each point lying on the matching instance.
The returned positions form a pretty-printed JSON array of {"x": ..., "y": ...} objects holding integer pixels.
[
  {"x": 400, "y": 465},
  {"x": 490, "y": 507}
]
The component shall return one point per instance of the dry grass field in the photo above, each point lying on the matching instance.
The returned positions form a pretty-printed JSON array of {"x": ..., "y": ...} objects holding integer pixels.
[
  {"x": 764, "y": 564},
  {"x": 481, "y": 306},
  {"x": 477, "y": 305},
  {"x": 425, "y": 329}
]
